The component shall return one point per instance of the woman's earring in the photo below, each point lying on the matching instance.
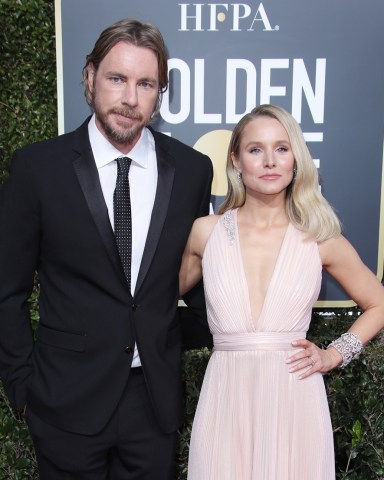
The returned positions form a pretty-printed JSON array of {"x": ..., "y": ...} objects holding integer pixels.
[
  {"x": 239, "y": 178},
  {"x": 294, "y": 172}
]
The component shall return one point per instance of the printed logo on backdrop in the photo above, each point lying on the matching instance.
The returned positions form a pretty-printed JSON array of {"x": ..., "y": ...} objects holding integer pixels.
[
  {"x": 226, "y": 58},
  {"x": 239, "y": 16}
]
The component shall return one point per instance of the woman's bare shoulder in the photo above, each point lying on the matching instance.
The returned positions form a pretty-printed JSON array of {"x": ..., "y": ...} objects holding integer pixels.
[
  {"x": 201, "y": 231},
  {"x": 203, "y": 226},
  {"x": 336, "y": 249},
  {"x": 207, "y": 222}
]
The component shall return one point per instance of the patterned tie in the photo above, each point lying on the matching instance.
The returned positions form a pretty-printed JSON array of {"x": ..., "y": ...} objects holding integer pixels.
[{"x": 122, "y": 215}]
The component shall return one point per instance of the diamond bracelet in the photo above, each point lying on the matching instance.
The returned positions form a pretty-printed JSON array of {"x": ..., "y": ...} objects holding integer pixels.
[{"x": 349, "y": 346}]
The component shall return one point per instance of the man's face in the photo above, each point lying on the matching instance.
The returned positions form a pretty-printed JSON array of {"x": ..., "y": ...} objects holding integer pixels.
[{"x": 124, "y": 91}]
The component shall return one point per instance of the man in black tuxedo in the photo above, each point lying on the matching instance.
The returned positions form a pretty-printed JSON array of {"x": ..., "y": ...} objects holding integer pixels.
[{"x": 101, "y": 381}]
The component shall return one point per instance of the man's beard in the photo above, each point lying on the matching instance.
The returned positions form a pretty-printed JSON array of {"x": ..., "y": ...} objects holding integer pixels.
[{"x": 123, "y": 135}]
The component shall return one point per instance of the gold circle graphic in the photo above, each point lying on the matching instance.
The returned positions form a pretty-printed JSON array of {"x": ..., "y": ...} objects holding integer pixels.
[
  {"x": 221, "y": 17},
  {"x": 215, "y": 145}
]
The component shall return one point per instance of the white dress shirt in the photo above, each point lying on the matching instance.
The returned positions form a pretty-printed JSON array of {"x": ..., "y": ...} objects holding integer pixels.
[{"x": 142, "y": 184}]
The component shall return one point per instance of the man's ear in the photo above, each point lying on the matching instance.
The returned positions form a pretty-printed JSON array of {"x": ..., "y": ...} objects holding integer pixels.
[{"x": 91, "y": 72}]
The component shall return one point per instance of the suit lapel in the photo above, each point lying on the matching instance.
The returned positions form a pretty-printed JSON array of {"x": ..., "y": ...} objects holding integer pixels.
[
  {"x": 166, "y": 173},
  {"x": 88, "y": 178}
]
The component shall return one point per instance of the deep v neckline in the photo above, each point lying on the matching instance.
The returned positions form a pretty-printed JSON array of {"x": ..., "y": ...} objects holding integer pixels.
[{"x": 254, "y": 321}]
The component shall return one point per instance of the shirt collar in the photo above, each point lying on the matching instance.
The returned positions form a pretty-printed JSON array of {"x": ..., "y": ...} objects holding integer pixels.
[{"x": 104, "y": 152}]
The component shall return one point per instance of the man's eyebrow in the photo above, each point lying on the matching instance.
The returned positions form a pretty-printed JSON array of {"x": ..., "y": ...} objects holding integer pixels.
[{"x": 116, "y": 74}]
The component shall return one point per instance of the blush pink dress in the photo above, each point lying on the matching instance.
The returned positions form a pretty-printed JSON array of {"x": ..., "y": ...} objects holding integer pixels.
[{"x": 255, "y": 420}]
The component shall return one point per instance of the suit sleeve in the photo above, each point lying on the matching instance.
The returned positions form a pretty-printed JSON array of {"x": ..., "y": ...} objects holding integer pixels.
[
  {"x": 195, "y": 331},
  {"x": 19, "y": 247},
  {"x": 206, "y": 197}
]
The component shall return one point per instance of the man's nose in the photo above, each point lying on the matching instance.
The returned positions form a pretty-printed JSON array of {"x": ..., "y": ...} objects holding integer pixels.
[{"x": 130, "y": 96}]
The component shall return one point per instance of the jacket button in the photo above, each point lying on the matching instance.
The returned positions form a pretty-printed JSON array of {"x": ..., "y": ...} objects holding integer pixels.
[
  {"x": 128, "y": 349},
  {"x": 134, "y": 307}
]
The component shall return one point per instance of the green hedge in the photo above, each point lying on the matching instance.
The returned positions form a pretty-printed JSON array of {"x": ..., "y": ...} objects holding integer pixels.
[
  {"x": 28, "y": 113},
  {"x": 28, "y": 75}
]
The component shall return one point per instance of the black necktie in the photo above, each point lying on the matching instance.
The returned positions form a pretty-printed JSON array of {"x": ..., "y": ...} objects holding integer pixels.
[{"x": 122, "y": 215}]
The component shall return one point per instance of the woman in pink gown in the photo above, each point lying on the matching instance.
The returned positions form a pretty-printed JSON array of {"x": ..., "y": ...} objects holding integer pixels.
[{"x": 263, "y": 412}]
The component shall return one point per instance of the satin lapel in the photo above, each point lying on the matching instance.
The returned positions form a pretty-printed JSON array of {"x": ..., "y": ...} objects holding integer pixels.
[
  {"x": 166, "y": 173},
  {"x": 88, "y": 177}
]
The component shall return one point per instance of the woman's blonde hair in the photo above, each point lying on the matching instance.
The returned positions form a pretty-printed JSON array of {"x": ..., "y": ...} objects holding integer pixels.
[{"x": 306, "y": 207}]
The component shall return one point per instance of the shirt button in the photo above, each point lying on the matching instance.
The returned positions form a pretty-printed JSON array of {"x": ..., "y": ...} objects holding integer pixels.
[{"x": 128, "y": 349}]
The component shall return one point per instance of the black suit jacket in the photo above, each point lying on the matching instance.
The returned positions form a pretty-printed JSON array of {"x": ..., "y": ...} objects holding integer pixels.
[{"x": 53, "y": 220}]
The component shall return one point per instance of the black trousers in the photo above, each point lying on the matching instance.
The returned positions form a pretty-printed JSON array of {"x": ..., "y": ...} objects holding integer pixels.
[{"x": 130, "y": 447}]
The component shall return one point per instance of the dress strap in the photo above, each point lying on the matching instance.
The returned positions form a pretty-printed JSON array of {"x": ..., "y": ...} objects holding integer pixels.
[{"x": 229, "y": 226}]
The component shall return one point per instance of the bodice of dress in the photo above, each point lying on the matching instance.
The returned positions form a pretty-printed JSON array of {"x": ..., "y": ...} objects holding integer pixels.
[{"x": 293, "y": 288}]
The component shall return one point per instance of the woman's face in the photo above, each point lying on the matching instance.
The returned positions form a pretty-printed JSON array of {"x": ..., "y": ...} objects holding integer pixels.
[{"x": 265, "y": 157}]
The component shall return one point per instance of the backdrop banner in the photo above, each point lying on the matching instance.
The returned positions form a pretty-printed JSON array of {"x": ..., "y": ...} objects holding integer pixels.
[{"x": 322, "y": 61}]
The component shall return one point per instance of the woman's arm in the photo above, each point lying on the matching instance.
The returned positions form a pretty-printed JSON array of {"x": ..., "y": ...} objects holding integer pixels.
[
  {"x": 191, "y": 271},
  {"x": 341, "y": 261}
]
